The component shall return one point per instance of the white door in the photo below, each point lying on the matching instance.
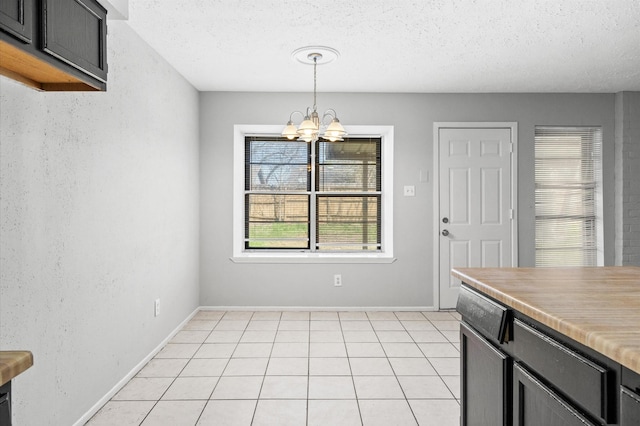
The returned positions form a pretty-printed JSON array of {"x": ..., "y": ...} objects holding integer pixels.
[{"x": 475, "y": 206}]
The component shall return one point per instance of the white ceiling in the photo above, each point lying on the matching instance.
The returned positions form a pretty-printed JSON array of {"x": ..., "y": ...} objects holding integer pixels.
[{"x": 399, "y": 45}]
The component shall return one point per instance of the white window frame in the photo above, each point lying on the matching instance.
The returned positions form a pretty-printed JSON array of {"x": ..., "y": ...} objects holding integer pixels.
[{"x": 240, "y": 255}]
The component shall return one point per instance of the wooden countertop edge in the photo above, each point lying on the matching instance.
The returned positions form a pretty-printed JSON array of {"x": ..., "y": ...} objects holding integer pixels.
[
  {"x": 600, "y": 341},
  {"x": 13, "y": 363}
]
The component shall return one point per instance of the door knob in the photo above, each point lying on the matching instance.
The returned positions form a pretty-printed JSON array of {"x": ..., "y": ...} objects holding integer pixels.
[{"x": 445, "y": 232}]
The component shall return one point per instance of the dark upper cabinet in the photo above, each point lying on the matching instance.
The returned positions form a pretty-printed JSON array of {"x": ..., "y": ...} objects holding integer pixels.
[
  {"x": 75, "y": 32},
  {"x": 16, "y": 18},
  {"x": 54, "y": 45}
]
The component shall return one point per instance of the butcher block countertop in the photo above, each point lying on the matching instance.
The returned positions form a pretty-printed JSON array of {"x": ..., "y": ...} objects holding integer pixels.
[
  {"x": 598, "y": 307},
  {"x": 13, "y": 363}
]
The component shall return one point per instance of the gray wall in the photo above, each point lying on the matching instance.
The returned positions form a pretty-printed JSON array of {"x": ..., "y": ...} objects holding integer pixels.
[
  {"x": 99, "y": 216},
  {"x": 408, "y": 281}
]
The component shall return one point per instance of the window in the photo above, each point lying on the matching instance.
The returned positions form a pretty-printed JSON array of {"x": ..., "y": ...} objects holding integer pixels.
[
  {"x": 277, "y": 185},
  {"x": 321, "y": 201},
  {"x": 567, "y": 196}
]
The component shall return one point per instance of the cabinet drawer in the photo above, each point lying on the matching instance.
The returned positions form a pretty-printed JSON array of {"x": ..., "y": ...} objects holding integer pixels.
[
  {"x": 560, "y": 366},
  {"x": 483, "y": 314}
]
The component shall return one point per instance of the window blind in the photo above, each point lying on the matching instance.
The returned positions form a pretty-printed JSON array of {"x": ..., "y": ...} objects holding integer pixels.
[{"x": 567, "y": 177}]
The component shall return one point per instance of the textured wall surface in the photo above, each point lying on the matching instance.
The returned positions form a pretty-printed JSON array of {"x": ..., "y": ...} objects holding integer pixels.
[
  {"x": 99, "y": 216},
  {"x": 627, "y": 177},
  {"x": 408, "y": 281}
]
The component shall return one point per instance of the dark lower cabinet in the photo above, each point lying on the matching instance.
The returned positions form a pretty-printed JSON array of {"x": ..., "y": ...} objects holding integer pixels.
[
  {"x": 537, "y": 405},
  {"x": 485, "y": 384},
  {"x": 518, "y": 372},
  {"x": 629, "y": 407},
  {"x": 5, "y": 404}
]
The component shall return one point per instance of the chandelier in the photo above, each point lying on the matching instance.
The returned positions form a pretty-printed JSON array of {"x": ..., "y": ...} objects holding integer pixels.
[{"x": 312, "y": 126}]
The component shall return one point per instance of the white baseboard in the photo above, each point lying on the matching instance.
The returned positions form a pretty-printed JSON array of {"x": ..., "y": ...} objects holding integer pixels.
[
  {"x": 320, "y": 308},
  {"x": 93, "y": 410}
]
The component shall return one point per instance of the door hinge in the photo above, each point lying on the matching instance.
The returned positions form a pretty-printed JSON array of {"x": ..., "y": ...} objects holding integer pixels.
[
  {"x": 511, "y": 214},
  {"x": 510, "y": 147}
]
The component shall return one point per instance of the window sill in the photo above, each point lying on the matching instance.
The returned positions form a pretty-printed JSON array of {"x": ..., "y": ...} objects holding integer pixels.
[{"x": 311, "y": 258}]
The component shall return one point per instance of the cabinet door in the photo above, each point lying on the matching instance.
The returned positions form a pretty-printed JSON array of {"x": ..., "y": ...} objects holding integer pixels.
[
  {"x": 16, "y": 18},
  {"x": 75, "y": 31},
  {"x": 485, "y": 381},
  {"x": 537, "y": 405},
  {"x": 629, "y": 407}
]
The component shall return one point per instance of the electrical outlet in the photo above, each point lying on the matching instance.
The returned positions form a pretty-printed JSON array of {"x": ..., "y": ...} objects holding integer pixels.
[
  {"x": 156, "y": 308},
  {"x": 337, "y": 280},
  {"x": 409, "y": 191}
]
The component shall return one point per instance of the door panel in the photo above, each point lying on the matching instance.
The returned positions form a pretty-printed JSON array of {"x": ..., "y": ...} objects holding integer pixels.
[
  {"x": 490, "y": 198},
  {"x": 491, "y": 253},
  {"x": 475, "y": 199},
  {"x": 459, "y": 253},
  {"x": 459, "y": 200}
]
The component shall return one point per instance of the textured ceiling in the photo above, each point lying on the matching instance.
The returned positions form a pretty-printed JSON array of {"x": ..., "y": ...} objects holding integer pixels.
[{"x": 399, "y": 45}]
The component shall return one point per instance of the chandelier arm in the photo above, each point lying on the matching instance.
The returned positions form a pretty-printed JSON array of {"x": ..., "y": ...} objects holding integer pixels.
[
  {"x": 295, "y": 112},
  {"x": 329, "y": 113}
]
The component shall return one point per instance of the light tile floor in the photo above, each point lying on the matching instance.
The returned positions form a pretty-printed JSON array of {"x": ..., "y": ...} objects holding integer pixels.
[{"x": 299, "y": 368}]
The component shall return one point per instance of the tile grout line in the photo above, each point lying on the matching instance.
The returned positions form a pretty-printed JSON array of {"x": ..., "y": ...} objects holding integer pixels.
[
  {"x": 217, "y": 381},
  {"x": 396, "y": 375},
  {"x": 353, "y": 382}
]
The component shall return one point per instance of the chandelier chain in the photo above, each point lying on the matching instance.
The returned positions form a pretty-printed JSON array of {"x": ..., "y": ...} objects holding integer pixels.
[{"x": 315, "y": 65}]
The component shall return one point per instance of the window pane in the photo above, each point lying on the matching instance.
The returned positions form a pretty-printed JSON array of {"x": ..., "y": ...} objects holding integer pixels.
[
  {"x": 277, "y": 165},
  {"x": 348, "y": 223},
  {"x": 277, "y": 221},
  {"x": 352, "y": 165}
]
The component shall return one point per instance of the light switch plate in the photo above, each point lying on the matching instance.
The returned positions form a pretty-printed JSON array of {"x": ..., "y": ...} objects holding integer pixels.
[{"x": 409, "y": 191}]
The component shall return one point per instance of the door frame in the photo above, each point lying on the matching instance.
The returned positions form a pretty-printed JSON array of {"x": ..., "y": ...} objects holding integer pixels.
[{"x": 437, "y": 126}]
